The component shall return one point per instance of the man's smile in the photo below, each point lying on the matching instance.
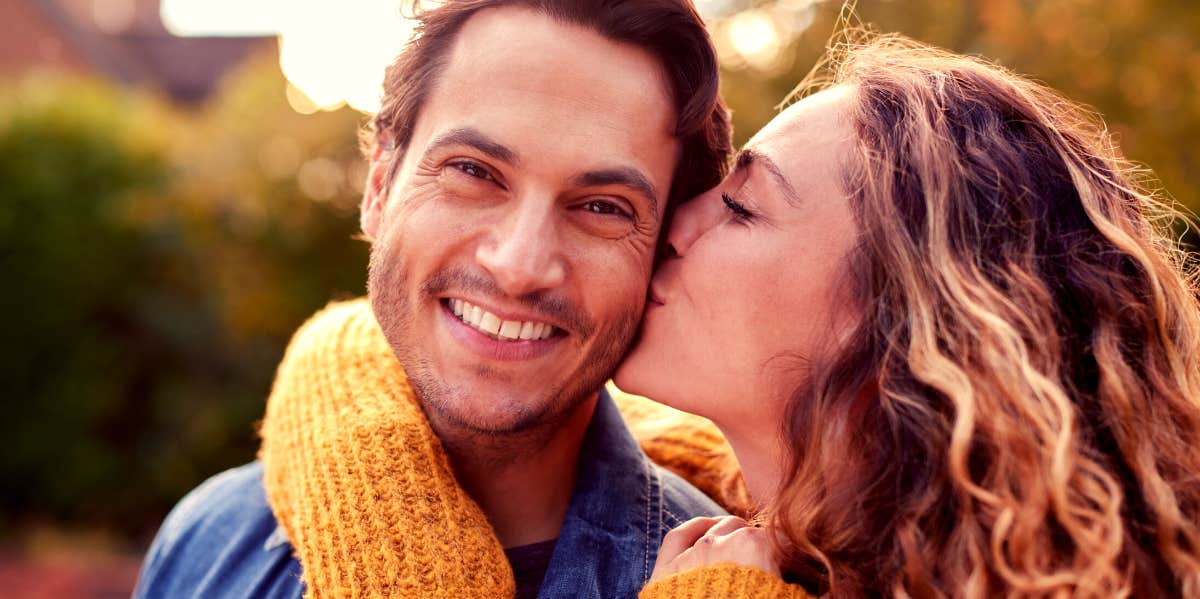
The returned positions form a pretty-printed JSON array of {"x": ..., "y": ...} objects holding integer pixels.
[
  {"x": 502, "y": 337},
  {"x": 494, "y": 326}
]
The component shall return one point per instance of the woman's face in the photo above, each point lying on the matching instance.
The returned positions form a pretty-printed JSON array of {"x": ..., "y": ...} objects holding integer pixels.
[{"x": 755, "y": 290}]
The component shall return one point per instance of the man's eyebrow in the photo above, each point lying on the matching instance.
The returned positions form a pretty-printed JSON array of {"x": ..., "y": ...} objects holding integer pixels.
[
  {"x": 627, "y": 176},
  {"x": 748, "y": 156},
  {"x": 471, "y": 137}
]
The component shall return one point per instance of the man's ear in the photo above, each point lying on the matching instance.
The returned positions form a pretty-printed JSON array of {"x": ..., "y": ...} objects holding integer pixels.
[{"x": 375, "y": 191}]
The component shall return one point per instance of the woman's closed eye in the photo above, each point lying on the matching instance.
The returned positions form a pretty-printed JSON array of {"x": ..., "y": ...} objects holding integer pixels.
[{"x": 739, "y": 211}]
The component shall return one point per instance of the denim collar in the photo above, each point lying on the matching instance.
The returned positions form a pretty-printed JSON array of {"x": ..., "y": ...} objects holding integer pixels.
[{"x": 614, "y": 523}]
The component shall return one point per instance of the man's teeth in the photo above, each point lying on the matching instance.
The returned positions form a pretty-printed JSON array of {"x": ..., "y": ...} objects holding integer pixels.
[{"x": 491, "y": 324}]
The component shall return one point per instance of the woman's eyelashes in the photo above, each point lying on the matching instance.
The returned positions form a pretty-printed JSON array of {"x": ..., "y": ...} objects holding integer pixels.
[{"x": 740, "y": 213}]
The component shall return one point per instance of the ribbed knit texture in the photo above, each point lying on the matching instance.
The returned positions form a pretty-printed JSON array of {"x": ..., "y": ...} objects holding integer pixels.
[
  {"x": 365, "y": 492},
  {"x": 722, "y": 581},
  {"x": 358, "y": 480}
]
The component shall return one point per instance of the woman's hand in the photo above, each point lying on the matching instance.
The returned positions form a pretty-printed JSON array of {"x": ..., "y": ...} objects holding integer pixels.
[{"x": 703, "y": 541}]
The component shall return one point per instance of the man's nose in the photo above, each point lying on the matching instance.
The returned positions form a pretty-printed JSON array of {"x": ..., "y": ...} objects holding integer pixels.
[
  {"x": 523, "y": 253},
  {"x": 692, "y": 220}
]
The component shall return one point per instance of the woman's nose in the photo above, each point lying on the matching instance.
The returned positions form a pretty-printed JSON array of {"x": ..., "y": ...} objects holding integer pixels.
[{"x": 692, "y": 220}]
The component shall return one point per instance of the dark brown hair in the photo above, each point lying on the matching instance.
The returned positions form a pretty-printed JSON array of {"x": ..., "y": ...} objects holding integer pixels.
[
  {"x": 671, "y": 30},
  {"x": 1018, "y": 411}
]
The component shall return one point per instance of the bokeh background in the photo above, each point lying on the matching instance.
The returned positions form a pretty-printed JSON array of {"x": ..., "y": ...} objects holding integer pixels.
[{"x": 178, "y": 192}]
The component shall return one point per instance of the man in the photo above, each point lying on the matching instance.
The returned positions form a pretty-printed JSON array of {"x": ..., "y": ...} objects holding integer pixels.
[{"x": 524, "y": 161}]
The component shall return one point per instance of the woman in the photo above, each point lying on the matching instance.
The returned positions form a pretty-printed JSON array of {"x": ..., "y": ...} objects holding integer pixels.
[{"x": 949, "y": 339}]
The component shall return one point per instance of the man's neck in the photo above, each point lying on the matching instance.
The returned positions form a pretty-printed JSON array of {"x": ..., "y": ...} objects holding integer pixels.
[{"x": 524, "y": 481}]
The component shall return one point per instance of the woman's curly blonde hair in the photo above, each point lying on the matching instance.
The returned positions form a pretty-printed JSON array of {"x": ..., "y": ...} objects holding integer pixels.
[{"x": 1018, "y": 411}]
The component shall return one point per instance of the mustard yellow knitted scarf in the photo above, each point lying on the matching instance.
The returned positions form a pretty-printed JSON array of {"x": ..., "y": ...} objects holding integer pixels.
[{"x": 365, "y": 493}]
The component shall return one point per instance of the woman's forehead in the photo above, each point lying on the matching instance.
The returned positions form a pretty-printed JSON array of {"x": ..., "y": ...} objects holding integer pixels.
[
  {"x": 822, "y": 110},
  {"x": 811, "y": 134}
]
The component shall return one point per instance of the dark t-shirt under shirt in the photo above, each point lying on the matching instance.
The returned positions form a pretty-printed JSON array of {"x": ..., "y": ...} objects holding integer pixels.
[{"x": 529, "y": 564}]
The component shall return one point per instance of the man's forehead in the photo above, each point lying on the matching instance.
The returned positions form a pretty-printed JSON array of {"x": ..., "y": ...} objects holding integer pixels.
[
  {"x": 526, "y": 35},
  {"x": 514, "y": 50},
  {"x": 597, "y": 108}
]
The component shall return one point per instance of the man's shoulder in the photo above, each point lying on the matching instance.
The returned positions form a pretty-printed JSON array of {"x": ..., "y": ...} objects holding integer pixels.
[
  {"x": 221, "y": 540},
  {"x": 682, "y": 501},
  {"x": 225, "y": 501}
]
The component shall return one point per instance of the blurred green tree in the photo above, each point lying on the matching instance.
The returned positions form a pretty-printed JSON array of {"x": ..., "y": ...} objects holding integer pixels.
[
  {"x": 156, "y": 261},
  {"x": 69, "y": 159}
]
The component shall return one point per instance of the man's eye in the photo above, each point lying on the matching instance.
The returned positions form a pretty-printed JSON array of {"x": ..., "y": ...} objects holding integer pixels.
[
  {"x": 605, "y": 208},
  {"x": 472, "y": 169}
]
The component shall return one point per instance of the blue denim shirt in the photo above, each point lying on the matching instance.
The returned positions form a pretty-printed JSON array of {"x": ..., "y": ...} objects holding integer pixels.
[{"x": 223, "y": 541}]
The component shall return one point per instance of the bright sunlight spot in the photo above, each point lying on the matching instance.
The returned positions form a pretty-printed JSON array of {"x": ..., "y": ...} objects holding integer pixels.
[
  {"x": 332, "y": 54},
  {"x": 753, "y": 35}
]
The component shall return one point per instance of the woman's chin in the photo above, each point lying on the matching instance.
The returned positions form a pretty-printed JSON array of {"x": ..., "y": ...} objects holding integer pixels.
[
  {"x": 639, "y": 374},
  {"x": 628, "y": 375},
  {"x": 645, "y": 373}
]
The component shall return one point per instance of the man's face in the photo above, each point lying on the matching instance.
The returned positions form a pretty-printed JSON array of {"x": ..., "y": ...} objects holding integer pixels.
[{"x": 529, "y": 200}]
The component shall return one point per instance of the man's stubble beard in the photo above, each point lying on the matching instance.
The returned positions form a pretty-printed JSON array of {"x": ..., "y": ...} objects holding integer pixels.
[{"x": 527, "y": 425}]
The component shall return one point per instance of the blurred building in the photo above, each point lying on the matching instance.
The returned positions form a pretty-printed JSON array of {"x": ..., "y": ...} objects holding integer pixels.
[{"x": 121, "y": 40}]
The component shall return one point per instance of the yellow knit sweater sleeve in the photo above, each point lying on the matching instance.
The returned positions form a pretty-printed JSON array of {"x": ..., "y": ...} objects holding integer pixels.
[
  {"x": 359, "y": 481},
  {"x": 722, "y": 581}
]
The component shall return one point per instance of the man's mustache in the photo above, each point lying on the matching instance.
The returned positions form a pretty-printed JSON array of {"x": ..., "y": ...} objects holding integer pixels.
[{"x": 556, "y": 309}]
